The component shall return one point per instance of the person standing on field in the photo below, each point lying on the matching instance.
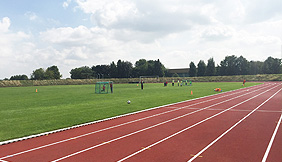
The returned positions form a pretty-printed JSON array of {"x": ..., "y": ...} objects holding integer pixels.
[
  {"x": 142, "y": 84},
  {"x": 172, "y": 82},
  {"x": 111, "y": 86},
  {"x": 244, "y": 82},
  {"x": 178, "y": 83}
]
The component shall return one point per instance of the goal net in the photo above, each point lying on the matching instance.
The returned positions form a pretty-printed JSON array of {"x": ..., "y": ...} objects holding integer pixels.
[{"x": 104, "y": 87}]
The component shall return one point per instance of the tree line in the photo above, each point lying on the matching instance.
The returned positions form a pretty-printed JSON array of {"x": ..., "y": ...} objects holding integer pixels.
[
  {"x": 51, "y": 72},
  {"x": 231, "y": 65},
  {"x": 121, "y": 69}
]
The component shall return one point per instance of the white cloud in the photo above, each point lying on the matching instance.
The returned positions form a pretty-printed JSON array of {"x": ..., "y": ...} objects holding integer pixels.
[
  {"x": 262, "y": 10},
  {"x": 15, "y": 50},
  {"x": 143, "y": 16},
  {"x": 217, "y": 32},
  {"x": 66, "y": 4},
  {"x": 174, "y": 31},
  {"x": 75, "y": 36},
  {"x": 5, "y": 24},
  {"x": 31, "y": 15}
]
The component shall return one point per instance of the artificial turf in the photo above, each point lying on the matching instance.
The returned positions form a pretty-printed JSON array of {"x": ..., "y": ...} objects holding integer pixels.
[{"x": 23, "y": 111}]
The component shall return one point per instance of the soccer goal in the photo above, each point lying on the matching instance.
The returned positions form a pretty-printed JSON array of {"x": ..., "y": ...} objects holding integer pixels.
[
  {"x": 104, "y": 87},
  {"x": 149, "y": 79}
]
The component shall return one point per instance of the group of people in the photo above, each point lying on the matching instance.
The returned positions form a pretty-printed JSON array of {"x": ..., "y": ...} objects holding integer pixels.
[
  {"x": 179, "y": 83},
  {"x": 182, "y": 82},
  {"x": 111, "y": 87}
]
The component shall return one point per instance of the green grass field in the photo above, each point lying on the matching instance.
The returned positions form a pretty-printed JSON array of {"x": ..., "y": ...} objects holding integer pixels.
[{"x": 24, "y": 112}]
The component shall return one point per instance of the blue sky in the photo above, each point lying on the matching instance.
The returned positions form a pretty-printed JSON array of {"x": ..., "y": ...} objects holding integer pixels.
[
  {"x": 46, "y": 14},
  {"x": 74, "y": 33}
]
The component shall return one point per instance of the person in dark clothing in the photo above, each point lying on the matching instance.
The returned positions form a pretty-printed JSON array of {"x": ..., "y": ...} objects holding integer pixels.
[
  {"x": 111, "y": 86},
  {"x": 142, "y": 84}
]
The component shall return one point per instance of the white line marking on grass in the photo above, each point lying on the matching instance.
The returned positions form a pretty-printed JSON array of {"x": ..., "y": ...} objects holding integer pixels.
[
  {"x": 271, "y": 140},
  {"x": 127, "y": 135},
  {"x": 218, "y": 138},
  {"x": 187, "y": 128},
  {"x": 69, "y": 139}
]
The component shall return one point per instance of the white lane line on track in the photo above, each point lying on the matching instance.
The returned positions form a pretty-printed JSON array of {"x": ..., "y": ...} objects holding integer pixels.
[
  {"x": 218, "y": 138},
  {"x": 3, "y": 161},
  {"x": 80, "y": 136},
  {"x": 90, "y": 148},
  {"x": 239, "y": 110},
  {"x": 187, "y": 128},
  {"x": 271, "y": 140}
]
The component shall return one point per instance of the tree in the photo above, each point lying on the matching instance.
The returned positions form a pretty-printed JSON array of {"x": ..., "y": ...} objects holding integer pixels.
[
  {"x": 84, "y": 72},
  {"x": 255, "y": 67},
  {"x": 141, "y": 68},
  {"x": 38, "y": 74},
  {"x": 228, "y": 65},
  {"x": 128, "y": 67},
  {"x": 102, "y": 70},
  {"x": 124, "y": 69},
  {"x": 210, "y": 71},
  {"x": 192, "y": 70},
  {"x": 242, "y": 66},
  {"x": 19, "y": 77},
  {"x": 113, "y": 70},
  {"x": 158, "y": 68},
  {"x": 201, "y": 68},
  {"x": 151, "y": 67},
  {"x": 271, "y": 66},
  {"x": 53, "y": 72},
  {"x": 76, "y": 73}
]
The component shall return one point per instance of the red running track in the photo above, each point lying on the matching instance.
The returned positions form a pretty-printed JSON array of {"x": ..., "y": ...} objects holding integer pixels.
[{"x": 241, "y": 125}]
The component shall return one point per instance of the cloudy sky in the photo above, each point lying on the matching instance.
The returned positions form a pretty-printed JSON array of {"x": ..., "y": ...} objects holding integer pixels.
[{"x": 74, "y": 33}]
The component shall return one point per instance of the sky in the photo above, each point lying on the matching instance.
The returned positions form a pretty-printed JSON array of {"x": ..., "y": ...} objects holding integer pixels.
[{"x": 75, "y": 33}]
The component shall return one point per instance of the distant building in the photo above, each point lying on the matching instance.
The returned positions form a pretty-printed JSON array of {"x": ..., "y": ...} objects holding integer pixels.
[{"x": 182, "y": 72}]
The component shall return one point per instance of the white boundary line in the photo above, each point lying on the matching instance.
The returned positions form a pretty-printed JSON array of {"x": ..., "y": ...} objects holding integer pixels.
[
  {"x": 40, "y": 147},
  {"x": 271, "y": 140},
  {"x": 218, "y": 138},
  {"x": 200, "y": 122},
  {"x": 98, "y": 121},
  {"x": 150, "y": 127},
  {"x": 3, "y": 161},
  {"x": 215, "y": 109}
]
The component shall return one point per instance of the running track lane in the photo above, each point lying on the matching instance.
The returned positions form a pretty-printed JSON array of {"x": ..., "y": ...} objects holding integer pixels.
[
  {"x": 194, "y": 140},
  {"x": 152, "y": 136}
]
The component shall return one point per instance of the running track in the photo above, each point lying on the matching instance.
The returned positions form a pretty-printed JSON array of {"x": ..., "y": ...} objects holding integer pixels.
[{"x": 241, "y": 125}]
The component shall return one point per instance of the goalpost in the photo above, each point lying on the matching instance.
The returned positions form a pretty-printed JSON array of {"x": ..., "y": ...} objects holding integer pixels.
[
  {"x": 104, "y": 87},
  {"x": 150, "y": 79}
]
